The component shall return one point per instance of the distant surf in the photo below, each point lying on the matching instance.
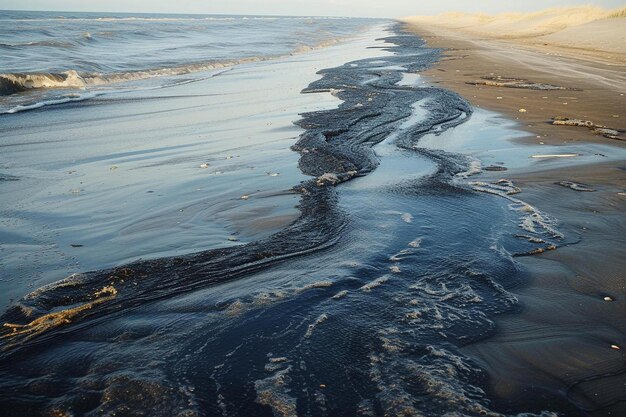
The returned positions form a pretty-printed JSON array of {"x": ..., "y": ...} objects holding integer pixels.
[{"x": 47, "y": 59}]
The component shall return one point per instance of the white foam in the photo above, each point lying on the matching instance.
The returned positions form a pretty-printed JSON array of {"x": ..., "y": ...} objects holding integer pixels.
[
  {"x": 415, "y": 243},
  {"x": 376, "y": 283},
  {"x": 475, "y": 167},
  {"x": 51, "y": 102},
  {"x": 407, "y": 217},
  {"x": 321, "y": 319},
  {"x": 26, "y": 81}
]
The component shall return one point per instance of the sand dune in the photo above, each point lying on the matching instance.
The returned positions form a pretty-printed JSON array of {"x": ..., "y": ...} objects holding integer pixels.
[{"x": 581, "y": 27}]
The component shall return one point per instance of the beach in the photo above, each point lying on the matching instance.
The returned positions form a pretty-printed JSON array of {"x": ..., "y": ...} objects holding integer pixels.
[
  {"x": 572, "y": 327},
  {"x": 319, "y": 217}
]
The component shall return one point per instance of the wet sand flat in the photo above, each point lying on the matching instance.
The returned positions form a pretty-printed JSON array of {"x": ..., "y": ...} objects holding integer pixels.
[{"x": 571, "y": 331}]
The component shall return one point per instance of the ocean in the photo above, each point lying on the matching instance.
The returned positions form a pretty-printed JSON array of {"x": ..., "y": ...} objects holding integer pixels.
[
  {"x": 79, "y": 55},
  {"x": 252, "y": 216}
]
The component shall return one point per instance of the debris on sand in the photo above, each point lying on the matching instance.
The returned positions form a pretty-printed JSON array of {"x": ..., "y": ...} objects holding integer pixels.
[
  {"x": 495, "y": 168},
  {"x": 498, "y": 81},
  {"x": 607, "y": 133},
  {"x": 334, "y": 179},
  {"x": 575, "y": 186},
  {"x": 564, "y": 121},
  {"x": 327, "y": 178},
  {"x": 595, "y": 128},
  {"x": 537, "y": 251}
]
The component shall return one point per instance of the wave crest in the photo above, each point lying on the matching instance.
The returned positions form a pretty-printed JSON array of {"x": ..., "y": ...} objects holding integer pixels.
[{"x": 15, "y": 83}]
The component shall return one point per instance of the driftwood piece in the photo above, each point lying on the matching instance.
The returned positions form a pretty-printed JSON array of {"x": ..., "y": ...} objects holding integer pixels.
[{"x": 516, "y": 83}]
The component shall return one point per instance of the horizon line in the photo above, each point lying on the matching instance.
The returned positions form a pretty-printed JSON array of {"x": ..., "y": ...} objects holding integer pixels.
[{"x": 200, "y": 14}]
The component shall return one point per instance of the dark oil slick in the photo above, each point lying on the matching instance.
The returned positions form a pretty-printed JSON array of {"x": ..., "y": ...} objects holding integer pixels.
[{"x": 359, "y": 307}]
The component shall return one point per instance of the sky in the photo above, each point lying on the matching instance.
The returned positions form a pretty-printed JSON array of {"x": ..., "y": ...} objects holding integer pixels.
[{"x": 368, "y": 8}]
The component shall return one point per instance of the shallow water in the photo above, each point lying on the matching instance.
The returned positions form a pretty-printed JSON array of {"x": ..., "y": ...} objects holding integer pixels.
[
  {"x": 146, "y": 174},
  {"x": 397, "y": 257}
]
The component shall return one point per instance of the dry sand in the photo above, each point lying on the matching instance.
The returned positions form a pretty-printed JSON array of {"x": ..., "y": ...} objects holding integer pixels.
[
  {"x": 571, "y": 334},
  {"x": 575, "y": 58}
]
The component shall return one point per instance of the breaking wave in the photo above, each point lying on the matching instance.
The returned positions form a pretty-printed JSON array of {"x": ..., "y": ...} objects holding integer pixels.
[{"x": 15, "y": 83}]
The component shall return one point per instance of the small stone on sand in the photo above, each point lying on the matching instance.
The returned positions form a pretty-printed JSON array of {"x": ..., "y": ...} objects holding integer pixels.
[
  {"x": 615, "y": 347},
  {"x": 608, "y": 299},
  {"x": 522, "y": 110}
]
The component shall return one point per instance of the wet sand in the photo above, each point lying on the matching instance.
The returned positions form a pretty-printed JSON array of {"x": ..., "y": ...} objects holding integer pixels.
[
  {"x": 571, "y": 332},
  {"x": 570, "y": 335}
]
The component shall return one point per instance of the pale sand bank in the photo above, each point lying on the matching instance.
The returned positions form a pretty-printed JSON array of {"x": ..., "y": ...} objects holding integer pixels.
[{"x": 577, "y": 27}]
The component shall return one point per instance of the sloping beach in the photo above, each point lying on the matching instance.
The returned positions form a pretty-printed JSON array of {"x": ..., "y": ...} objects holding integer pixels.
[
  {"x": 319, "y": 217},
  {"x": 557, "y": 64}
]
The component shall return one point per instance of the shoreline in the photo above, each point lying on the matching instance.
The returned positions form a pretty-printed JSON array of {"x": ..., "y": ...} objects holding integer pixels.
[
  {"x": 403, "y": 239},
  {"x": 569, "y": 335}
]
